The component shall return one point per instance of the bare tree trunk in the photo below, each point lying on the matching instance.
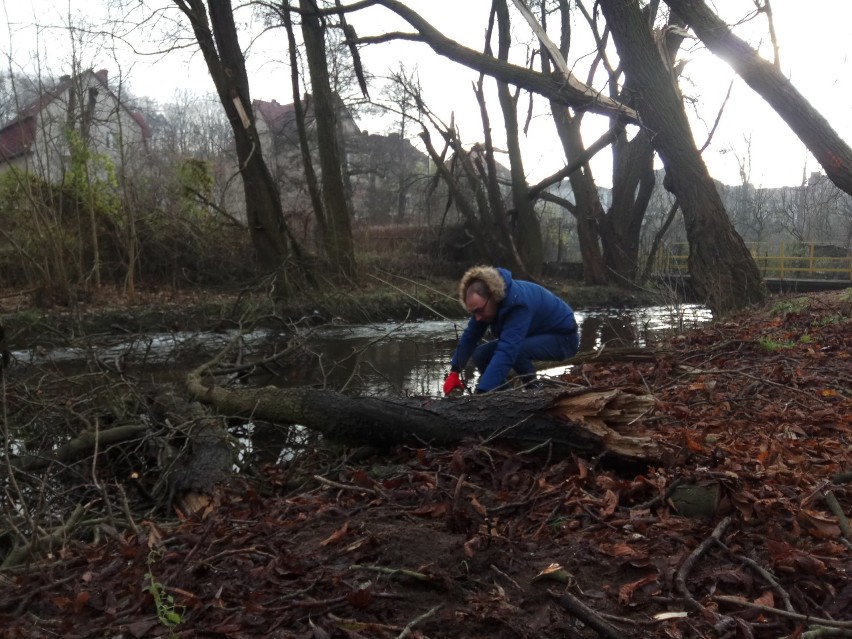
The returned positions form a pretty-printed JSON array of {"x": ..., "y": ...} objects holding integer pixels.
[
  {"x": 588, "y": 209},
  {"x": 633, "y": 178},
  {"x": 226, "y": 65},
  {"x": 299, "y": 111},
  {"x": 492, "y": 211},
  {"x": 527, "y": 228},
  {"x": 633, "y": 183},
  {"x": 588, "y": 205},
  {"x": 338, "y": 239},
  {"x": 833, "y": 154},
  {"x": 722, "y": 269}
]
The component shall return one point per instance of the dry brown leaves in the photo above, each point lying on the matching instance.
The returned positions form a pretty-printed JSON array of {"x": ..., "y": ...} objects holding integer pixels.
[{"x": 483, "y": 541}]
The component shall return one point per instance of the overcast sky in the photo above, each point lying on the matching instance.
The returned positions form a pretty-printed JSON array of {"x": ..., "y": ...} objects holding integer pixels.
[{"x": 815, "y": 45}]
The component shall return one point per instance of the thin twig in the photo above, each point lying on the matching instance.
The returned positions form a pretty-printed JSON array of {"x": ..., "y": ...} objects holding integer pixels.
[
  {"x": 421, "y": 302},
  {"x": 407, "y": 630},
  {"x": 394, "y": 571},
  {"x": 763, "y": 573},
  {"x": 842, "y": 520},
  {"x": 334, "y": 484},
  {"x": 783, "y": 613},
  {"x": 686, "y": 566},
  {"x": 587, "y": 616}
]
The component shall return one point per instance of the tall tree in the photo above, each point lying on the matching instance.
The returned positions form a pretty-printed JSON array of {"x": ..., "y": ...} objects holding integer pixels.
[
  {"x": 311, "y": 180},
  {"x": 722, "y": 269},
  {"x": 338, "y": 231},
  {"x": 609, "y": 240},
  {"x": 587, "y": 208},
  {"x": 219, "y": 43},
  {"x": 400, "y": 94},
  {"x": 833, "y": 154},
  {"x": 633, "y": 178},
  {"x": 527, "y": 228}
]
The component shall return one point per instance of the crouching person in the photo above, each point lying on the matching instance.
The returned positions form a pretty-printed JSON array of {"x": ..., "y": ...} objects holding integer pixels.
[{"x": 527, "y": 322}]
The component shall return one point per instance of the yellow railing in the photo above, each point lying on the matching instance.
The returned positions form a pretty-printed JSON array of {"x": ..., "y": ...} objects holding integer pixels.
[{"x": 785, "y": 260}]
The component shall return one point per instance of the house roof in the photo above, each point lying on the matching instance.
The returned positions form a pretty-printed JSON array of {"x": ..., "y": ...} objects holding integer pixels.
[
  {"x": 281, "y": 118},
  {"x": 18, "y": 135}
]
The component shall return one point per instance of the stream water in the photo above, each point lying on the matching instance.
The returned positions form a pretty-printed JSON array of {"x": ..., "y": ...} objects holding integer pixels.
[
  {"x": 413, "y": 358},
  {"x": 381, "y": 358},
  {"x": 384, "y": 358}
]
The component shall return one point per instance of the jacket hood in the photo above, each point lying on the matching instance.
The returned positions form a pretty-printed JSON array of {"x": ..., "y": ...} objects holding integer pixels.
[{"x": 490, "y": 276}]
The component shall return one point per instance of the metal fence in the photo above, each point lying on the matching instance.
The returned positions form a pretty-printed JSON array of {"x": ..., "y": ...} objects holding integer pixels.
[{"x": 781, "y": 260}]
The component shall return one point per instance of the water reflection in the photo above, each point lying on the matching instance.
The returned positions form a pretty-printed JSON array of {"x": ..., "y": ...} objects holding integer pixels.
[
  {"x": 378, "y": 359},
  {"x": 413, "y": 358}
]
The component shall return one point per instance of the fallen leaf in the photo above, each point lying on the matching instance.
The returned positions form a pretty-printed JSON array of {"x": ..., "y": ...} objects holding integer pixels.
[
  {"x": 556, "y": 573},
  {"x": 663, "y": 616},
  {"x": 336, "y": 536}
]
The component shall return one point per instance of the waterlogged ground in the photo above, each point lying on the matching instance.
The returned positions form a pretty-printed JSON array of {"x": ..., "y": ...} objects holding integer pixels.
[{"x": 485, "y": 541}]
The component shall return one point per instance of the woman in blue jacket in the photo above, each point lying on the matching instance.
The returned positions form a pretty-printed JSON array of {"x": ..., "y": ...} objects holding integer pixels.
[{"x": 527, "y": 321}]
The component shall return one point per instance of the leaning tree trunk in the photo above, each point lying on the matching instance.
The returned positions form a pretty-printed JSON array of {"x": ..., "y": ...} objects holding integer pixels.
[
  {"x": 722, "y": 269},
  {"x": 833, "y": 154}
]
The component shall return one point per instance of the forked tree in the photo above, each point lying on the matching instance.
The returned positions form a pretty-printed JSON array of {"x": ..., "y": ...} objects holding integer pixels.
[{"x": 721, "y": 266}]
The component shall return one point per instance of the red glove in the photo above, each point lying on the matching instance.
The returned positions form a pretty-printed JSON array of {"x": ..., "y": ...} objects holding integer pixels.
[{"x": 452, "y": 383}]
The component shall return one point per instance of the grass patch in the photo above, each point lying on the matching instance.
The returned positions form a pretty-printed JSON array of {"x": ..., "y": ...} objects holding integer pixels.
[
  {"x": 791, "y": 306},
  {"x": 773, "y": 346}
]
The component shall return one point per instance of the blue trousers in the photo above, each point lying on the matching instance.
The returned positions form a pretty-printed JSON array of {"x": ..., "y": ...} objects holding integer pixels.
[{"x": 552, "y": 347}]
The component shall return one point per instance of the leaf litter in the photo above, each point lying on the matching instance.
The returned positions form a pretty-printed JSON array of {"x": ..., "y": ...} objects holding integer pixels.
[{"x": 753, "y": 415}]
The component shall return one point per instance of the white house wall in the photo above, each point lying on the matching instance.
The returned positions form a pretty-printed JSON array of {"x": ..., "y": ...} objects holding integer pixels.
[{"x": 111, "y": 126}]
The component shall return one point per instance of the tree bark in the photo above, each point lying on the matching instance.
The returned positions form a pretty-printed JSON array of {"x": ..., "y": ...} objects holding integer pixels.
[
  {"x": 590, "y": 421},
  {"x": 311, "y": 181},
  {"x": 767, "y": 80},
  {"x": 633, "y": 181},
  {"x": 338, "y": 238},
  {"x": 527, "y": 229},
  {"x": 722, "y": 269},
  {"x": 588, "y": 207},
  {"x": 226, "y": 65}
]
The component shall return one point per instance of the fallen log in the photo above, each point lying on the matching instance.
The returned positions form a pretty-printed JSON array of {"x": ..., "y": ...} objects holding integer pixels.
[
  {"x": 604, "y": 355},
  {"x": 586, "y": 421}
]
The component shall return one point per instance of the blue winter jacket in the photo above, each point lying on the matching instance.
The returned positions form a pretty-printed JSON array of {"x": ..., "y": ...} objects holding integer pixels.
[{"x": 528, "y": 309}]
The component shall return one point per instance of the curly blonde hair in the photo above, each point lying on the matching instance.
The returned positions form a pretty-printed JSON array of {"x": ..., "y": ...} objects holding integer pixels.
[{"x": 490, "y": 278}]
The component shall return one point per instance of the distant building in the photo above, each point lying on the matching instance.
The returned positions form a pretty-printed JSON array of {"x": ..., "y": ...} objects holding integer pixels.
[
  {"x": 80, "y": 110},
  {"x": 382, "y": 173}
]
